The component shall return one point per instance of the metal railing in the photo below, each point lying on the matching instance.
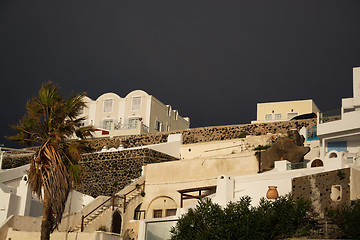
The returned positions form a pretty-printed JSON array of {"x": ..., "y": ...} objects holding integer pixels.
[
  {"x": 330, "y": 116},
  {"x": 113, "y": 198},
  {"x": 141, "y": 186}
]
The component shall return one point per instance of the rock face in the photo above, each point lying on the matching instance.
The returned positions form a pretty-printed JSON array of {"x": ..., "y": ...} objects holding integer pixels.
[{"x": 282, "y": 148}]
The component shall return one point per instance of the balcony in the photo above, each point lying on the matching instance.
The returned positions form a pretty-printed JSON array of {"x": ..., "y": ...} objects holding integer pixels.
[
  {"x": 338, "y": 122},
  {"x": 115, "y": 130},
  {"x": 143, "y": 127},
  {"x": 330, "y": 116}
]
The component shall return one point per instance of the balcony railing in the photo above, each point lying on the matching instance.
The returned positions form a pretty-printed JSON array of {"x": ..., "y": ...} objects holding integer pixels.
[
  {"x": 131, "y": 126},
  {"x": 125, "y": 126},
  {"x": 330, "y": 116},
  {"x": 144, "y": 128},
  {"x": 293, "y": 166}
]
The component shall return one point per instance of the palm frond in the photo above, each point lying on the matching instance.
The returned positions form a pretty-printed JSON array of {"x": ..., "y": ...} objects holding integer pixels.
[{"x": 50, "y": 120}]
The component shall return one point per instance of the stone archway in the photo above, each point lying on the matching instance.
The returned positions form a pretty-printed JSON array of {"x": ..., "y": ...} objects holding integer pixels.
[{"x": 116, "y": 222}]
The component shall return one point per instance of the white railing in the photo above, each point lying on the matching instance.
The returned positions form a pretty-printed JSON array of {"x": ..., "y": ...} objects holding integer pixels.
[
  {"x": 125, "y": 126},
  {"x": 144, "y": 128},
  {"x": 131, "y": 126}
]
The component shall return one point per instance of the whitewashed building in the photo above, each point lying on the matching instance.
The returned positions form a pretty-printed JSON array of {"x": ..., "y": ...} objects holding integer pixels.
[
  {"x": 137, "y": 113},
  {"x": 339, "y": 130}
]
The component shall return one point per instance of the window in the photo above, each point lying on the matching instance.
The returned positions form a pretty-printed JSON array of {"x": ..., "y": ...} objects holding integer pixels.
[
  {"x": 291, "y": 115},
  {"x": 168, "y": 110},
  {"x": 167, "y": 127},
  {"x": 268, "y": 116},
  {"x": 170, "y": 212},
  {"x": 278, "y": 116},
  {"x": 107, "y": 124},
  {"x": 136, "y": 103},
  {"x": 338, "y": 146},
  {"x": 158, "y": 126},
  {"x": 108, "y": 104},
  {"x": 176, "y": 115},
  {"x": 317, "y": 163},
  {"x": 157, "y": 213}
]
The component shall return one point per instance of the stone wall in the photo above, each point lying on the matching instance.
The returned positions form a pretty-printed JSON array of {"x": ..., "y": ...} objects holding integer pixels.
[
  {"x": 193, "y": 135},
  {"x": 317, "y": 188},
  {"x": 204, "y": 134},
  {"x": 109, "y": 172},
  {"x": 16, "y": 160}
]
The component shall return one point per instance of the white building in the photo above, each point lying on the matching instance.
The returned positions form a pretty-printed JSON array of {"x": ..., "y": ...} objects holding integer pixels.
[
  {"x": 283, "y": 111},
  {"x": 340, "y": 129},
  {"x": 137, "y": 113},
  {"x": 15, "y": 194}
]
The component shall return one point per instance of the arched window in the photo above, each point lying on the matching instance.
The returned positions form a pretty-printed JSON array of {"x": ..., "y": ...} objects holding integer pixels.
[
  {"x": 162, "y": 207},
  {"x": 138, "y": 213},
  {"x": 317, "y": 163}
]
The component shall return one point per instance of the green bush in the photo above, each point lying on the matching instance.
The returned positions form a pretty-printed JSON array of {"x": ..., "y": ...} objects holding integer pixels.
[
  {"x": 102, "y": 228},
  {"x": 243, "y": 134},
  {"x": 347, "y": 218},
  {"x": 239, "y": 220},
  {"x": 262, "y": 147}
]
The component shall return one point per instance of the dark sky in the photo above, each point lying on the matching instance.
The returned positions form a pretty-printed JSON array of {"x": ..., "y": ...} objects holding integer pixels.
[{"x": 211, "y": 60}]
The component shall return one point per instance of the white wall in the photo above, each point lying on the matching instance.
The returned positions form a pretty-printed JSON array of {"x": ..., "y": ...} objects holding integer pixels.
[
  {"x": 18, "y": 235},
  {"x": 356, "y": 86},
  {"x": 257, "y": 189},
  {"x": 78, "y": 201}
]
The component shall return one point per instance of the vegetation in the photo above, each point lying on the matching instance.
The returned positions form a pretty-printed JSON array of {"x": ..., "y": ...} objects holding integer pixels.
[
  {"x": 243, "y": 134},
  {"x": 239, "y": 220},
  {"x": 347, "y": 218},
  {"x": 262, "y": 147},
  {"x": 102, "y": 228},
  {"x": 49, "y": 121}
]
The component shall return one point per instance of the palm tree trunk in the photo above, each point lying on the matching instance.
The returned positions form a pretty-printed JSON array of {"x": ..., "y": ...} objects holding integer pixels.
[{"x": 46, "y": 220}]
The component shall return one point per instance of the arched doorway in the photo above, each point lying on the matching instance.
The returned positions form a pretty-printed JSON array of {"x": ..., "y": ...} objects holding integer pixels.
[
  {"x": 116, "y": 222},
  {"x": 317, "y": 163}
]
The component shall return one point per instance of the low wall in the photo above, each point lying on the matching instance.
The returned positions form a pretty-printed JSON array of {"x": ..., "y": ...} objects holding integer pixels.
[
  {"x": 20, "y": 235},
  {"x": 204, "y": 134}
]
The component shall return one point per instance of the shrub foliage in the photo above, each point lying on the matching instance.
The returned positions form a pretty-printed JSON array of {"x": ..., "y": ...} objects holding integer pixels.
[
  {"x": 347, "y": 218},
  {"x": 239, "y": 220}
]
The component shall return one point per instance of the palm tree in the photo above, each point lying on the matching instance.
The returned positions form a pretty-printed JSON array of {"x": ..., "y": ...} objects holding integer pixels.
[{"x": 49, "y": 121}]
